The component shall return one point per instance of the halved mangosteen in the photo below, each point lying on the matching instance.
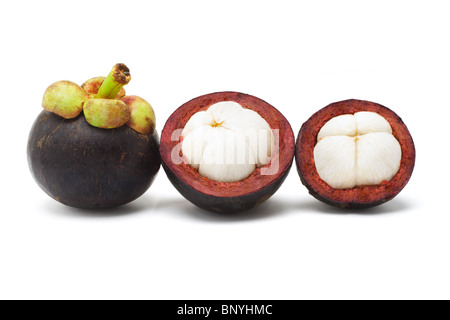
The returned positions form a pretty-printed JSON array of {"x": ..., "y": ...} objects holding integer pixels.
[
  {"x": 227, "y": 151},
  {"x": 354, "y": 154},
  {"x": 80, "y": 151}
]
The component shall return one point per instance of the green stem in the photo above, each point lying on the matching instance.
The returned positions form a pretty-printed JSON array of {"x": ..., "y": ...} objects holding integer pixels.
[{"x": 116, "y": 79}]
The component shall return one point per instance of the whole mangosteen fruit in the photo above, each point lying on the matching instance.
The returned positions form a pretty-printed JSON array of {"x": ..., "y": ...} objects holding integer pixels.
[
  {"x": 354, "y": 154},
  {"x": 94, "y": 147},
  {"x": 227, "y": 151}
]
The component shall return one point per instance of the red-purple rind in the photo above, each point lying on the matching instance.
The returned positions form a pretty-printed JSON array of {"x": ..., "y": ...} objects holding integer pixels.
[
  {"x": 358, "y": 197},
  {"x": 235, "y": 196}
]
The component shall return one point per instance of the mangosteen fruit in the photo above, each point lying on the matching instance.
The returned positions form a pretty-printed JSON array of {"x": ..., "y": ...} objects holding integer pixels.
[
  {"x": 227, "y": 151},
  {"x": 354, "y": 154},
  {"x": 94, "y": 147}
]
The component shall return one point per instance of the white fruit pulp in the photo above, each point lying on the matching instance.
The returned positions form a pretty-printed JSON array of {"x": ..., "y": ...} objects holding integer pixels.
[
  {"x": 356, "y": 150},
  {"x": 227, "y": 142}
]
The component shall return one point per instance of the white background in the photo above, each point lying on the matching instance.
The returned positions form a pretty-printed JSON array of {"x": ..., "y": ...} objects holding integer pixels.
[{"x": 297, "y": 55}]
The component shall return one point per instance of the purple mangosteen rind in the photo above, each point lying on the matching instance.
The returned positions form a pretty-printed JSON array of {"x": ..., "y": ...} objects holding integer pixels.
[{"x": 226, "y": 205}]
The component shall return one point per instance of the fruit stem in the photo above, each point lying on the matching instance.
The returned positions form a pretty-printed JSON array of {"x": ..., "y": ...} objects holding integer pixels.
[{"x": 116, "y": 79}]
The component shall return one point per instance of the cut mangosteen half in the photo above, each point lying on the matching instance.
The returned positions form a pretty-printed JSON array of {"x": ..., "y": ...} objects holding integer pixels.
[
  {"x": 227, "y": 151},
  {"x": 354, "y": 154}
]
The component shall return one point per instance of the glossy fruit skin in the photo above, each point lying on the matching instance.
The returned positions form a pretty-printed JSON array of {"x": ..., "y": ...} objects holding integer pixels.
[
  {"x": 358, "y": 197},
  {"x": 86, "y": 167},
  {"x": 226, "y": 197}
]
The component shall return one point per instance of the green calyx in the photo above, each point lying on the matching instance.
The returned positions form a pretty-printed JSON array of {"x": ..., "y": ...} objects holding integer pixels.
[
  {"x": 103, "y": 102},
  {"x": 92, "y": 86},
  {"x": 103, "y": 110},
  {"x": 106, "y": 113},
  {"x": 64, "y": 98},
  {"x": 142, "y": 117}
]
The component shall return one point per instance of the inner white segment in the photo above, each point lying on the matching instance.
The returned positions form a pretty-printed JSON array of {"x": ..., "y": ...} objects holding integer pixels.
[
  {"x": 335, "y": 160},
  {"x": 356, "y": 150},
  {"x": 227, "y": 143}
]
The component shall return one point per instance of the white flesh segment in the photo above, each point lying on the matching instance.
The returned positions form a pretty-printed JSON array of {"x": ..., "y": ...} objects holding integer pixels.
[
  {"x": 226, "y": 131},
  {"x": 201, "y": 118},
  {"x": 335, "y": 161},
  {"x": 256, "y": 131},
  {"x": 228, "y": 158},
  {"x": 224, "y": 110},
  {"x": 367, "y": 122},
  {"x": 378, "y": 157},
  {"x": 343, "y": 125},
  {"x": 194, "y": 144}
]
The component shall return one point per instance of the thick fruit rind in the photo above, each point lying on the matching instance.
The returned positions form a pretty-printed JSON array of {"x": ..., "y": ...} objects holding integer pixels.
[
  {"x": 227, "y": 197},
  {"x": 86, "y": 167},
  {"x": 358, "y": 197}
]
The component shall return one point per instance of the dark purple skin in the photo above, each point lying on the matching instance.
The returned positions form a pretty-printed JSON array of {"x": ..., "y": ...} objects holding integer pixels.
[
  {"x": 225, "y": 204},
  {"x": 86, "y": 167}
]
